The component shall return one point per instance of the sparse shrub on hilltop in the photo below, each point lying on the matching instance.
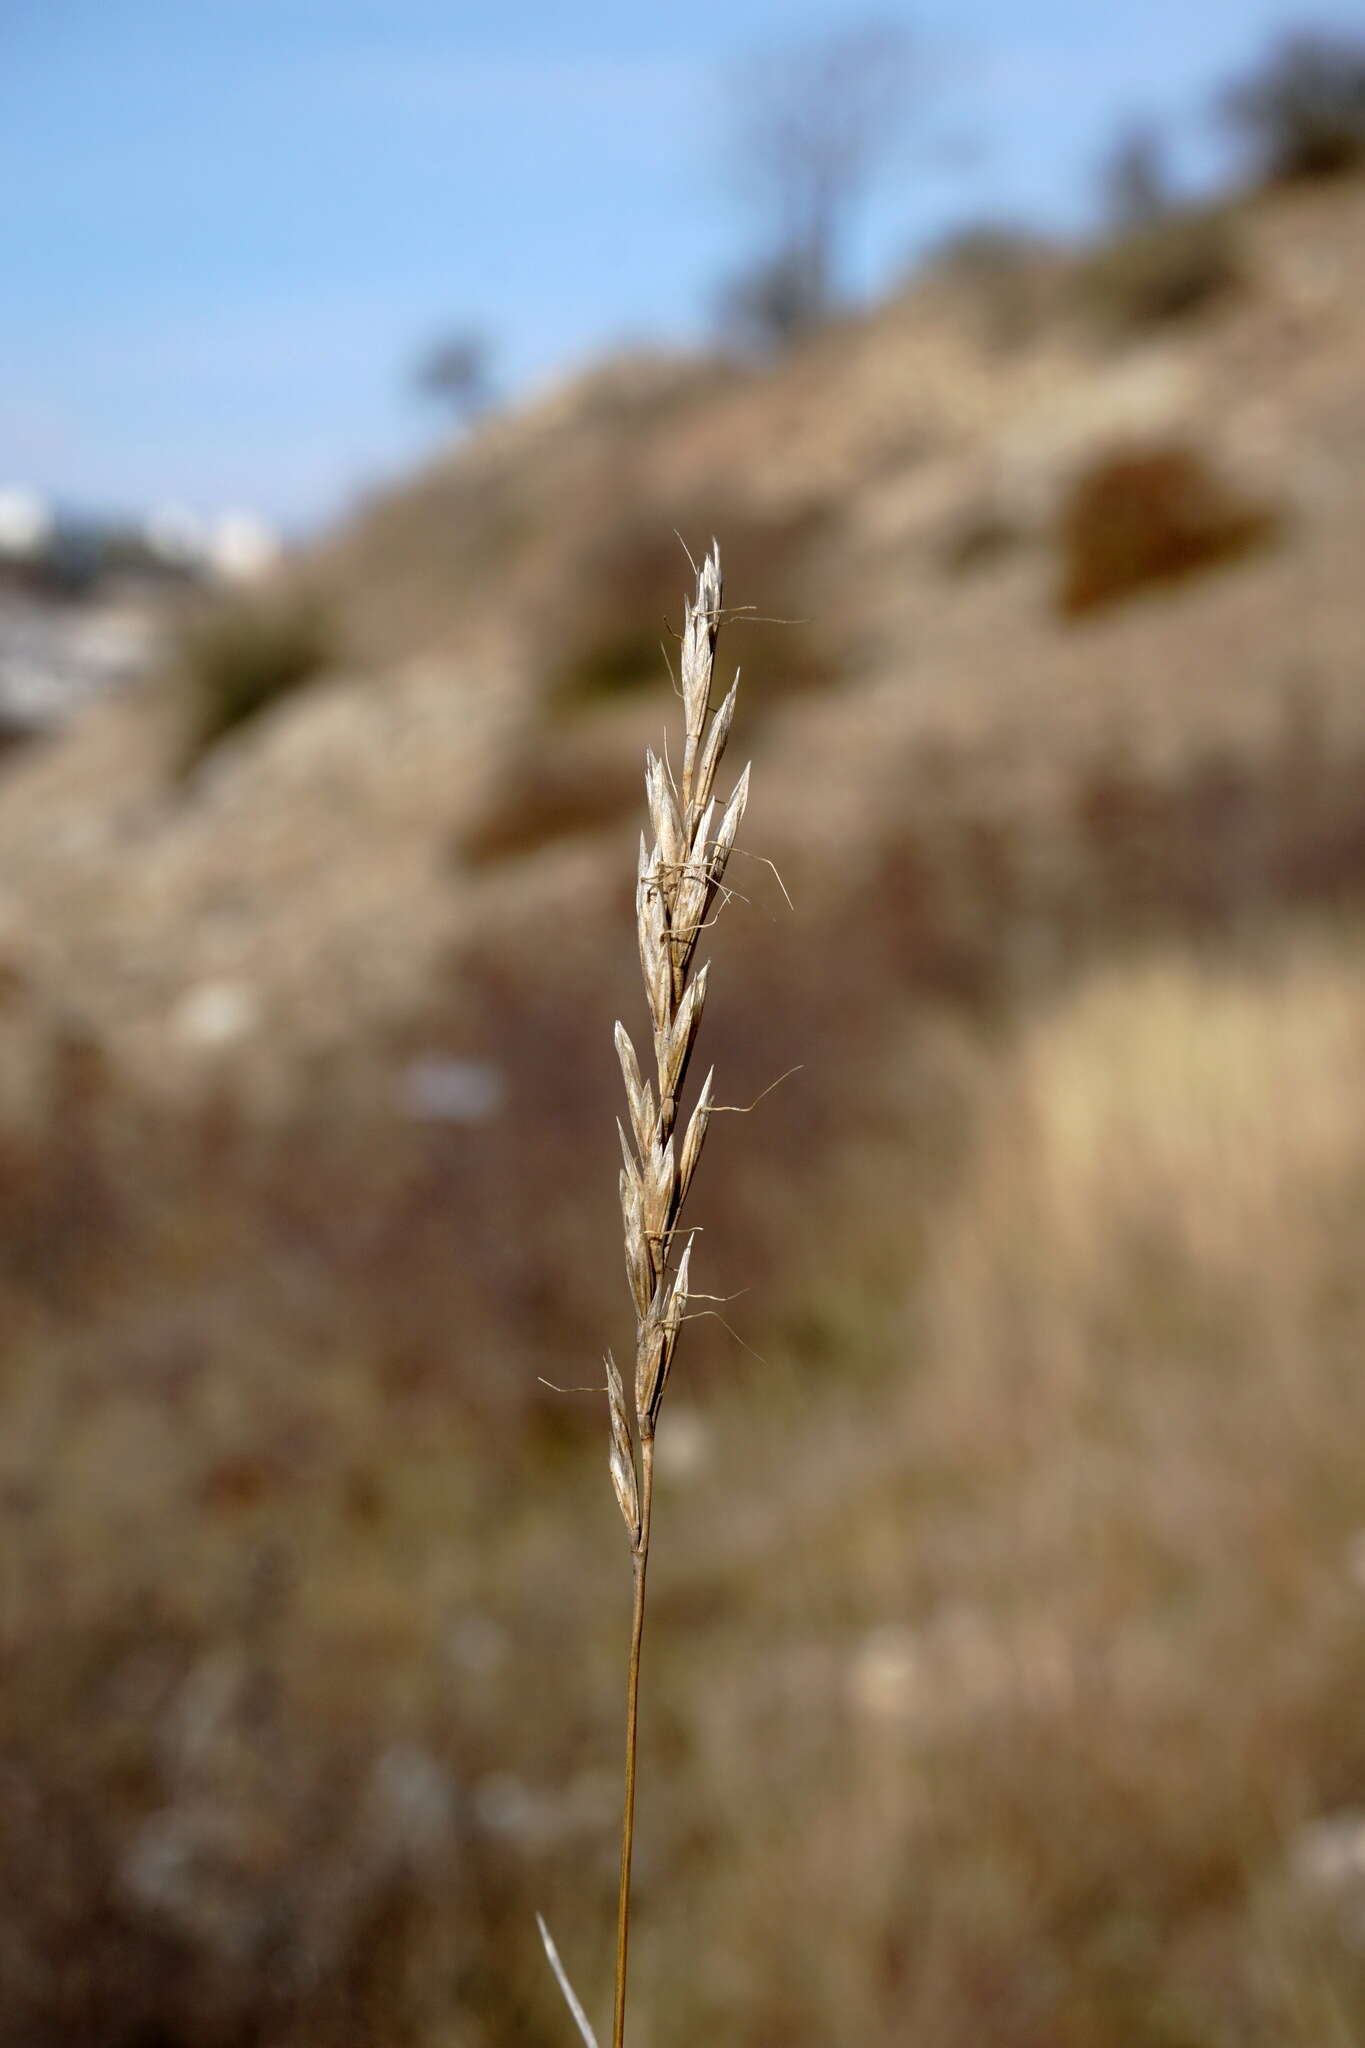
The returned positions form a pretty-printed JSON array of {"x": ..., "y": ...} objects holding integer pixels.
[
  {"x": 245, "y": 655},
  {"x": 1303, "y": 111},
  {"x": 1143, "y": 516}
]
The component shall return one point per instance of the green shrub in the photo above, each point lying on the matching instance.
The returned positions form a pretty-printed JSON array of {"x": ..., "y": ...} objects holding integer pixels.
[
  {"x": 245, "y": 655},
  {"x": 1143, "y": 516},
  {"x": 611, "y": 632},
  {"x": 1303, "y": 111},
  {"x": 1160, "y": 270}
]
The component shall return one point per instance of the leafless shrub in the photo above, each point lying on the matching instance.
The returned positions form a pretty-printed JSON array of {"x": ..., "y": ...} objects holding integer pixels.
[{"x": 813, "y": 125}]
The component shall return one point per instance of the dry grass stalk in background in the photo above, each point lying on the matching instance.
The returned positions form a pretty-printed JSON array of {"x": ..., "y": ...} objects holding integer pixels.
[{"x": 680, "y": 873}]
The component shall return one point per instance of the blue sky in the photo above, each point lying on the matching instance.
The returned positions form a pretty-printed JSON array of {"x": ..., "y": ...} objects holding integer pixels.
[{"x": 227, "y": 226}]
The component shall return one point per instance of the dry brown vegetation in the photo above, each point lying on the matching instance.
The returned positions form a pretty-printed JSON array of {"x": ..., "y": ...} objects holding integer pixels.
[
  {"x": 1008, "y": 1649},
  {"x": 1151, "y": 515}
]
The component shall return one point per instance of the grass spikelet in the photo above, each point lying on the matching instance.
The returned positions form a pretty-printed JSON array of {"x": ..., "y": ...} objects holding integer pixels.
[{"x": 681, "y": 867}]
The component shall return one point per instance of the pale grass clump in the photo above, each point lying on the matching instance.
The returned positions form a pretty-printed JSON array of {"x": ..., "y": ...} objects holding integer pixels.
[
  {"x": 1192, "y": 1112},
  {"x": 679, "y": 880}
]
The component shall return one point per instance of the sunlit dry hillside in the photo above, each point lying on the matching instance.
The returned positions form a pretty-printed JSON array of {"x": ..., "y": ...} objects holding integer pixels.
[{"x": 1007, "y": 1651}]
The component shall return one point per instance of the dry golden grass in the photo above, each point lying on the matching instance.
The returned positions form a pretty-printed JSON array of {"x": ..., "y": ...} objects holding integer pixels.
[{"x": 1051, "y": 1756}]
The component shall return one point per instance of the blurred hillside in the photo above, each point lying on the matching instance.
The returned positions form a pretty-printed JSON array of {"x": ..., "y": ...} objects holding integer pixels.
[
  {"x": 1007, "y": 1656},
  {"x": 896, "y": 488}
]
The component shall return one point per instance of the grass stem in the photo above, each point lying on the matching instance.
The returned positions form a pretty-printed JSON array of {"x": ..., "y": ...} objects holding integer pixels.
[{"x": 637, "y": 1629}]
